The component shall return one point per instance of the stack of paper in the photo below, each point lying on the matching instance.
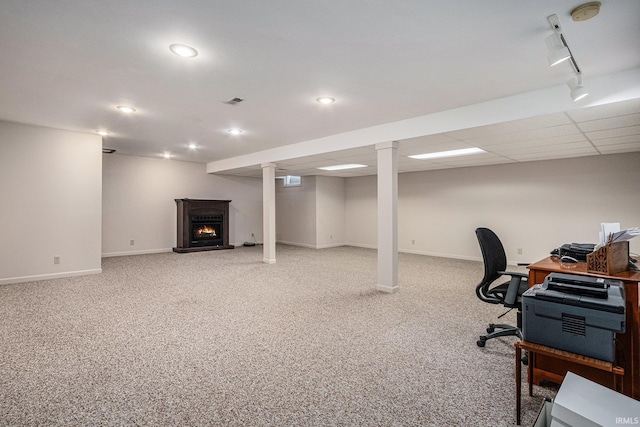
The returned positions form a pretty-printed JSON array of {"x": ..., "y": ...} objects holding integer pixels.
[{"x": 624, "y": 235}]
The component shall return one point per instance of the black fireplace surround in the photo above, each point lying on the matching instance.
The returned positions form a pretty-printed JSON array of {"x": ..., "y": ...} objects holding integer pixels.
[{"x": 203, "y": 225}]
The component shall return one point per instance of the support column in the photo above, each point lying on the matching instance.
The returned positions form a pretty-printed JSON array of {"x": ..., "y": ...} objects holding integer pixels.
[
  {"x": 387, "y": 216},
  {"x": 269, "y": 212}
]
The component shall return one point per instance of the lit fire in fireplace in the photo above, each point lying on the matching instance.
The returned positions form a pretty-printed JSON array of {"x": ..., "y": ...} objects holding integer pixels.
[{"x": 206, "y": 231}]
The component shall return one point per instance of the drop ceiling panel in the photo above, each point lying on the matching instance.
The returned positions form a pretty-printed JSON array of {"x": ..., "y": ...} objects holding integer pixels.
[
  {"x": 523, "y": 144},
  {"x": 557, "y": 154},
  {"x": 481, "y": 159},
  {"x": 617, "y": 141},
  {"x": 613, "y": 133},
  {"x": 620, "y": 148},
  {"x": 610, "y": 123},
  {"x": 546, "y": 132}
]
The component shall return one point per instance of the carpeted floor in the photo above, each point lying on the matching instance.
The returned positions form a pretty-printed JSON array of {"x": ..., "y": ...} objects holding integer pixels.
[{"x": 220, "y": 338}]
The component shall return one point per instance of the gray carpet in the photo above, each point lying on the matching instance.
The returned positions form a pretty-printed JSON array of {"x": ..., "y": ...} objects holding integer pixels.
[{"x": 219, "y": 338}]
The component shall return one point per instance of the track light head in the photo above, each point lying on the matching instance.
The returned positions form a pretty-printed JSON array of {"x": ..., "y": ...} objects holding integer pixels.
[
  {"x": 576, "y": 88},
  {"x": 558, "y": 51}
]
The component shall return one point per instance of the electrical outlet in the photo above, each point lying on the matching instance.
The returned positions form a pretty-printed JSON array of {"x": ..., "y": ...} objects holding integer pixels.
[
  {"x": 56, "y": 260},
  {"x": 413, "y": 242},
  {"x": 331, "y": 237},
  {"x": 132, "y": 242},
  {"x": 253, "y": 235},
  {"x": 519, "y": 251}
]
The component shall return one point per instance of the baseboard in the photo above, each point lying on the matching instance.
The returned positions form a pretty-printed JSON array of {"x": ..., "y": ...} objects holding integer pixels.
[
  {"x": 302, "y": 245},
  {"x": 49, "y": 276},
  {"x": 143, "y": 252},
  {"x": 330, "y": 245}
]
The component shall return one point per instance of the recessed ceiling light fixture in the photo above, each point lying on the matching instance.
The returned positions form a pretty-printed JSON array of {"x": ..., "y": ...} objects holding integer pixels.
[
  {"x": 235, "y": 131},
  {"x": 166, "y": 155},
  {"x": 183, "y": 50},
  {"x": 342, "y": 167},
  {"x": 326, "y": 100},
  {"x": 450, "y": 153},
  {"x": 126, "y": 109},
  {"x": 102, "y": 132},
  {"x": 192, "y": 146}
]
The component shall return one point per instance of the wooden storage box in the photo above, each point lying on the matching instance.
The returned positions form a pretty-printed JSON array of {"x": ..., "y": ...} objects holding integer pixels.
[{"x": 609, "y": 259}]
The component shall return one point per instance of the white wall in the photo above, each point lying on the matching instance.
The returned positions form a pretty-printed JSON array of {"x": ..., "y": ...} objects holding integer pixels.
[
  {"x": 296, "y": 213},
  {"x": 535, "y": 206},
  {"x": 50, "y": 182},
  {"x": 312, "y": 214},
  {"x": 330, "y": 211},
  {"x": 139, "y": 202}
]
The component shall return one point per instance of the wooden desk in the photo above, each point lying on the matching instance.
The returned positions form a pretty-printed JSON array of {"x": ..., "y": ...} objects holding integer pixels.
[
  {"x": 538, "y": 350},
  {"x": 628, "y": 356}
]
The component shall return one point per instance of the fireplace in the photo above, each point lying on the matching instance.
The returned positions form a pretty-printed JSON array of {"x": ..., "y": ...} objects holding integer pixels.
[{"x": 203, "y": 225}]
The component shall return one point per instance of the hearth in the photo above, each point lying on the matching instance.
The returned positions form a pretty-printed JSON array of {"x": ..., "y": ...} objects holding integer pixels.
[{"x": 203, "y": 225}]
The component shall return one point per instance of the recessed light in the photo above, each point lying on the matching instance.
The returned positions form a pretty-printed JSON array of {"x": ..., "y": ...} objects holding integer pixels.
[
  {"x": 342, "y": 167},
  {"x": 102, "y": 132},
  {"x": 193, "y": 146},
  {"x": 326, "y": 100},
  {"x": 126, "y": 109},
  {"x": 235, "y": 131},
  {"x": 167, "y": 155},
  {"x": 183, "y": 50},
  {"x": 450, "y": 153}
]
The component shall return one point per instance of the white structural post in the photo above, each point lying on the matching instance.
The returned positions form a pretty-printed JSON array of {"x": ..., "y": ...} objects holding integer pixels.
[
  {"x": 387, "y": 216},
  {"x": 269, "y": 212}
]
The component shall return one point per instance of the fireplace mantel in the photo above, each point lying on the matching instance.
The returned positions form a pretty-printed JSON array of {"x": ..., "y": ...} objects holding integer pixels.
[{"x": 190, "y": 210}]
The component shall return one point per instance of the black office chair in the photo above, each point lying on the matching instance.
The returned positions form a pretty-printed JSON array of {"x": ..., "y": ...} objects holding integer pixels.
[{"x": 509, "y": 293}]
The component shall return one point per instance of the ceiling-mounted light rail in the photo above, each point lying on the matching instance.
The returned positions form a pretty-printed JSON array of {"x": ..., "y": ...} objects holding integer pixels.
[{"x": 559, "y": 51}]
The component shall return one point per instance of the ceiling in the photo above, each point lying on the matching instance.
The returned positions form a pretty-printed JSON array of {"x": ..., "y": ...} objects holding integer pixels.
[{"x": 67, "y": 64}]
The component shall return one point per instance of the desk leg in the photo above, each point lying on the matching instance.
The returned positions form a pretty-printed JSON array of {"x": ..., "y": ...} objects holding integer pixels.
[
  {"x": 518, "y": 383},
  {"x": 531, "y": 367}
]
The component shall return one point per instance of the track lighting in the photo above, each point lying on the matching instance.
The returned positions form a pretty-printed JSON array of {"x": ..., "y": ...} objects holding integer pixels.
[
  {"x": 576, "y": 89},
  {"x": 559, "y": 51}
]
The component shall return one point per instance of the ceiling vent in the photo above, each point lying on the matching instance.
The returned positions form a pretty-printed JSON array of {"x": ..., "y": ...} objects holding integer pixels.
[{"x": 234, "y": 101}]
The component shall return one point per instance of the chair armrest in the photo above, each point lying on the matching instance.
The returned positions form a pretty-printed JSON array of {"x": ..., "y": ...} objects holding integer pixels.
[
  {"x": 514, "y": 274},
  {"x": 514, "y": 285}
]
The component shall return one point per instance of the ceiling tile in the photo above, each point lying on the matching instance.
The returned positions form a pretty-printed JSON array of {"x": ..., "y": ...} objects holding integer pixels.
[
  {"x": 613, "y": 133},
  {"x": 610, "y": 123}
]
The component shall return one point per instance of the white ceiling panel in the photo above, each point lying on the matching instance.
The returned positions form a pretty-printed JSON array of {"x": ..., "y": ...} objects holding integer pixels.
[
  {"x": 620, "y": 148},
  {"x": 610, "y": 123},
  {"x": 614, "y": 133},
  {"x": 617, "y": 141},
  {"x": 559, "y": 154}
]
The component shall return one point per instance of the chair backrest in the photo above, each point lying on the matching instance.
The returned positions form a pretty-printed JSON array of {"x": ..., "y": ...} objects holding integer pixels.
[{"x": 495, "y": 260}]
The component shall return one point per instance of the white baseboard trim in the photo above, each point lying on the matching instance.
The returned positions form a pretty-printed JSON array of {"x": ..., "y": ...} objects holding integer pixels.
[
  {"x": 49, "y": 276},
  {"x": 143, "y": 252},
  {"x": 302, "y": 245},
  {"x": 330, "y": 245},
  {"x": 439, "y": 254},
  {"x": 268, "y": 261},
  {"x": 358, "y": 245}
]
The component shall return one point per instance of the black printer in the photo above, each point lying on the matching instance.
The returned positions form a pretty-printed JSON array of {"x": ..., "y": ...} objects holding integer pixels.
[{"x": 580, "y": 314}]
